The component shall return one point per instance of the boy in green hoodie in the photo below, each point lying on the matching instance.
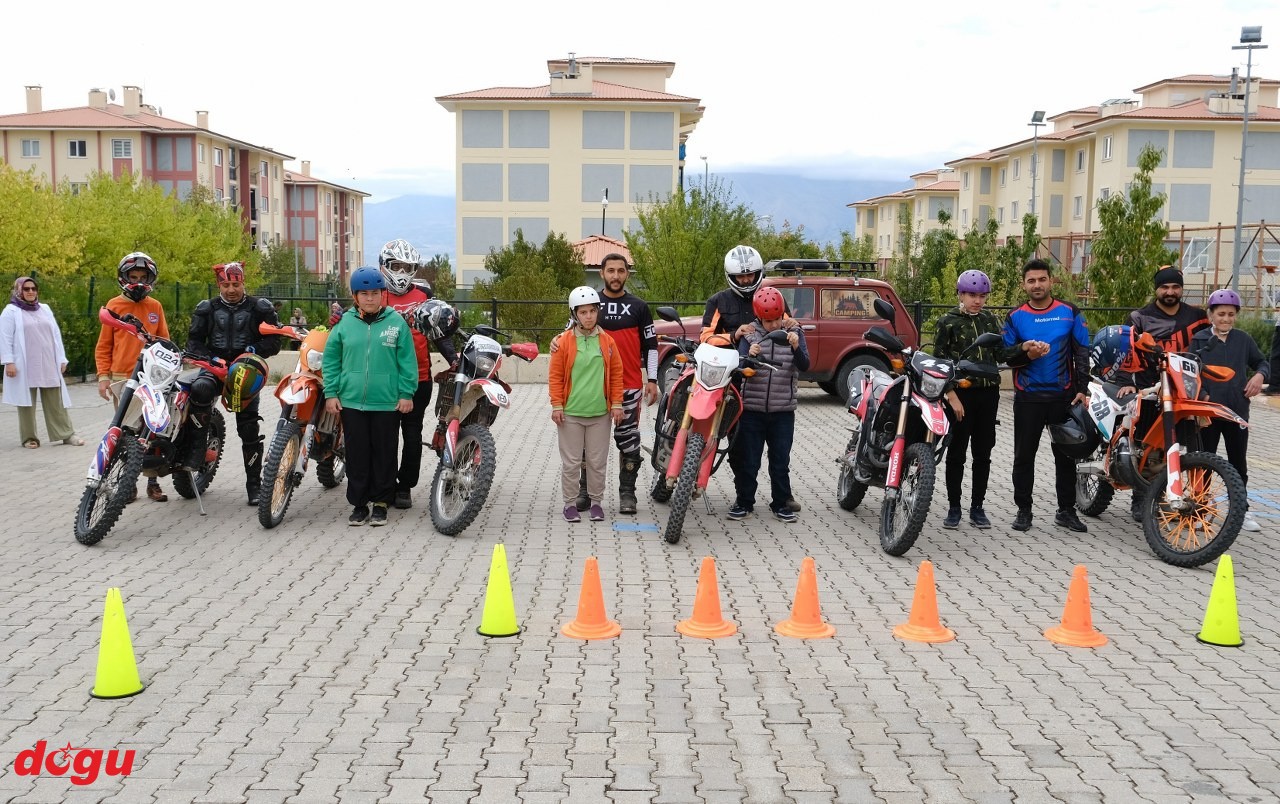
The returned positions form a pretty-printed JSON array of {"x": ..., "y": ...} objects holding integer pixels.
[{"x": 370, "y": 376}]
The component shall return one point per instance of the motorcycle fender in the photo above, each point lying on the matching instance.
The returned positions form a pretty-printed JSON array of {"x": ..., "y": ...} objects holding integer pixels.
[
  {"x": 450, "y": 443},
  {"x": 1211, "y": 410},
  {"x": 155, "y": 413},
  {"x": 494, "y": 391},
  {"x": 702, "y": 403},
  {"x": 935, "y": 418},
  {"x": 298, "y": 390},
  {"x": 676, "y": 460},
  {"x": 102, "y": 457}
]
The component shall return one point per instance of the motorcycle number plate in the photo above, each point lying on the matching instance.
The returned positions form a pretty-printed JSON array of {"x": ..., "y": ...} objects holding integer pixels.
[{"x": 165, "y": 357}]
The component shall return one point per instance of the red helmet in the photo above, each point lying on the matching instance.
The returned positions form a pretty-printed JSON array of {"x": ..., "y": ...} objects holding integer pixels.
[{"x": 768, "y": 305}]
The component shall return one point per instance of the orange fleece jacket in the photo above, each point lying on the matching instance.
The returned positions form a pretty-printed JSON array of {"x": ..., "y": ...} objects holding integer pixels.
[
  {"x": 117, "y": 351},
  {"x": 560, "y": 370}
]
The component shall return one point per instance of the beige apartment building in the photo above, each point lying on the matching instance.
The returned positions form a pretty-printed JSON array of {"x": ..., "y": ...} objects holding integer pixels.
[
  {"x": 325, "y": 222},
  {"x": 932, "y": 193},
  {"x": 545, "y": 158},
  {"x": 1084, "y": 155},
  {"x": 70, "y": 145}
]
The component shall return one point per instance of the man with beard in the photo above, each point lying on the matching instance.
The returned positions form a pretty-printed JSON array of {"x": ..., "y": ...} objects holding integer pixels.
[
  {"x": 1047, "y": 346},
  {"x": 1172, "y": 323}
]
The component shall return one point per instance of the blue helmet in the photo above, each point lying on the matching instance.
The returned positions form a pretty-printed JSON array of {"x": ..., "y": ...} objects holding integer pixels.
[
  {"x": 1113, "y": 351},
  {"x": 367, "y": 278}
]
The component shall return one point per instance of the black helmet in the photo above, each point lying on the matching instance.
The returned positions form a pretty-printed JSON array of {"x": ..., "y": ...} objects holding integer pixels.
[{"x": 1077, "y": 436}]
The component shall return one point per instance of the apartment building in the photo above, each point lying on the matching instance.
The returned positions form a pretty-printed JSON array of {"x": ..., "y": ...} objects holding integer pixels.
[
  {"x": 577, "y": 155},
  {"x": 1087, "y": 154},
  {"x": 70, "y": 145},
  {"x": 932, "y": 193},
  {"x": 325, "y": 222}
]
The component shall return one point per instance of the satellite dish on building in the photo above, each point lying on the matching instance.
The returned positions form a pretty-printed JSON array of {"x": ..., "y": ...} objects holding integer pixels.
[{"x": 111, "y": 93}]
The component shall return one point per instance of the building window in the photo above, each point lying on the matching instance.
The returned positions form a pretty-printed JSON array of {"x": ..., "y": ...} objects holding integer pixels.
[
  {"x": 964, "y": 217},
  {"x": 1106, "y": 148},
  {"x": 1013, "y": 211},
  {"x": 77, "y": 149},
  {"x": 1003, "y": 174},
  {"x": 217, "y": 157},
  {"x": 1017, "y": 169},
  {"x": 78, "y": 187},
  {"x": 217, "y": 194},
  {"x": 264, "y": 204},
  {"x": 1077, "y": 210},
  {"x": 1104, "y": 193},
  {"x": 262, "y": 169},
  {"x": 275, "y": 172},
  {"x": 200, "y": 152},
  {"x": 31, "y": 148},
  {"x": 1080, "y": 160},
  {"x": 122, "y": 149},
  {"x": 965, "y": 182},
  {"x": 1000, "y": 215}
]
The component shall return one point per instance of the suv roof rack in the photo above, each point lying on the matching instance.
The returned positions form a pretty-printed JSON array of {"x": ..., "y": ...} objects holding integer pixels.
[{"x": 818, "y": 266}]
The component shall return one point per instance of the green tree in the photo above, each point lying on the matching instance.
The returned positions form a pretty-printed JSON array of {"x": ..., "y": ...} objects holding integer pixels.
[
  {"x": 439, "y": 273},
  {"x": 1129, "y": 246},
  {"x": 525, "y": 271},
  {"x": 36, "y": 230},
  {"x": 862, "y": 249},
  {"x": 784, "y": 243},
  {"x": 681, "y": 241},
  {"x": 282, "y": 263}
]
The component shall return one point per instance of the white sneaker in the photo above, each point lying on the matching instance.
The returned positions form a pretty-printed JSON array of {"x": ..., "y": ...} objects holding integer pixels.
[{"x": 1250, "y": 524}]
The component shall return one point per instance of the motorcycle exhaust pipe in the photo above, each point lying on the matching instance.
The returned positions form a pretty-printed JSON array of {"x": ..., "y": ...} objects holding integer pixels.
[{"x": 1090, "y": 468}]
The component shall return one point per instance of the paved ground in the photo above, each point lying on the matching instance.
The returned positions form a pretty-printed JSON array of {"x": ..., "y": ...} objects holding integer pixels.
[{"x": 317, "y": 661}]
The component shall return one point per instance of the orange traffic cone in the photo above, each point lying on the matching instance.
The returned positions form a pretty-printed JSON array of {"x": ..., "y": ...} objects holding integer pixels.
[
  {"x": 591, "y": 622},
  {"x": 707, "y": 622},
  {"x": 806, "y": 615},
  {"x": 923, "y": 624},
  {"x": 1077, "y": 628}
]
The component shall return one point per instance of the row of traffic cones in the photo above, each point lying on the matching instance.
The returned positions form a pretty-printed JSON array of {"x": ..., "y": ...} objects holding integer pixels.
[{"x": 117, "y": 669}]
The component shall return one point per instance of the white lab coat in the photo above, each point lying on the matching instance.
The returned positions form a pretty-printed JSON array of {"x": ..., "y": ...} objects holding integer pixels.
[{"x": 13, "y": 343}]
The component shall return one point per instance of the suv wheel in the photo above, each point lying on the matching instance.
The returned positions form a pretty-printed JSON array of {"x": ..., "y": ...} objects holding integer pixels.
[{"x": 841, "y": 387}]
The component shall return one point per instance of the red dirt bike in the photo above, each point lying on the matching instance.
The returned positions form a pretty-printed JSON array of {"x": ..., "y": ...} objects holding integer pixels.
[
  {"x": 701, "y": 411},
  {"x": 1193, "y": 502},
  {"x": 894, "y": 449},
  {"x": 467, "y": 403},
  {"x": 305, "y": 431},
  {"x": 148, "y": 431}
]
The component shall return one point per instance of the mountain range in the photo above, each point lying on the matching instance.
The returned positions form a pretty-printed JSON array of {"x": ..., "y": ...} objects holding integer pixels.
[{"x": 820, "y": 205}]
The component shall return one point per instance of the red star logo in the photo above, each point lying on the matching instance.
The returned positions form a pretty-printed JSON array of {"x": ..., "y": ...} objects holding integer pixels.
[{"x": 66, "y": 750}]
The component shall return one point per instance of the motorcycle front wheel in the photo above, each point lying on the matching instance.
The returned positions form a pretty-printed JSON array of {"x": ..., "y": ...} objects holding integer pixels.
[
  {"x": 1093, "y": 494},
  {"x": 101, "y": 504},
  {"x": 217, "y": 445},
  {"x": 279, "y": 474},
  {"x": 849, "y": 492},
  {"x": 902, "y": 517},
  {"x": 685, "y": 485},
  {"x": 1206, "y": 528},
  {"x": 457, "y": 495}
]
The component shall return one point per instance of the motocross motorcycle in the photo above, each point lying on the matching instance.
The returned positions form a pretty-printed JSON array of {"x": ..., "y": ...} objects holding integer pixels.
[
  {"x": 894, "y": 449},
  {"x": 704, "y": 405},
  {"x": 148, "y": 434},
  {"x": 468, "y": 402},
  {"x": 1193, "y": 503},
  {"x": 305, "y": 431}
]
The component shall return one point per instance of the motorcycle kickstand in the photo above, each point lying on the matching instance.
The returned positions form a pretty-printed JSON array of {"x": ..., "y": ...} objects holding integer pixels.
[
  {"x": 196, "y": 488},
  {"x": 706, "y": 500}
]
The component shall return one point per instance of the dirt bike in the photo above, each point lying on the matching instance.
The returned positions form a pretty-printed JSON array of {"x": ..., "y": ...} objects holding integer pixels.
[
  {"x": 1195, "y": 514},
  {"x": 147, "y": 434},
  {"x": 890, "y": 447},
  {"x": 468, "y": 402},
  {"x": 305, "y": 431},
  {"x": 704, "y": 405}
]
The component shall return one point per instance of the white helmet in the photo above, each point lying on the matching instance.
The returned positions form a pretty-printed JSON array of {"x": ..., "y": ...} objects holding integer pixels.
[
  {"x": 580, "y": 296},
  {"x": 743, "y": 260},
  {"x": 399, "y": 262}
]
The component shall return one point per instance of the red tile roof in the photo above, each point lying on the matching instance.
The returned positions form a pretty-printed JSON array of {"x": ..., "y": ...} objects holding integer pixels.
[
  {"x": 1201, "y": 78},
  {"x": 1197, "y": 109},
  {"x": 607, "y": 60},
  {"x": 600, "y": 90},
  {"x": 596, "y": 247},
  {"x": 292, "y": 177},
  {"x": 112, "y": 118}
]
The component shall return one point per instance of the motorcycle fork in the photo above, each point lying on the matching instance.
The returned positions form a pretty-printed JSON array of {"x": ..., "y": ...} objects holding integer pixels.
[
  {"x": 893, "y": 476},
  {"x": 1173, "y": 452}
]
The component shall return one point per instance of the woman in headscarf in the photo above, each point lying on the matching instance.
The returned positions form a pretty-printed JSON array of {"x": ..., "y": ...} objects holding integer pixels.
[{"x": 34, "y": 360}]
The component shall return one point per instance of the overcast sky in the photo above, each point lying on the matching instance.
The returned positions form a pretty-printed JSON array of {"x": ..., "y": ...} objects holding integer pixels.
[{"x": 822, "y": 88}]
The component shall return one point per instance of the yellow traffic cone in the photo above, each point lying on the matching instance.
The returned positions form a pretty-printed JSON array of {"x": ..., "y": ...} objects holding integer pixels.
[
  {"x": 117, "y": 675},
  {"x": 499, "y": 616},
  {"x": 1221, "y": 624}
]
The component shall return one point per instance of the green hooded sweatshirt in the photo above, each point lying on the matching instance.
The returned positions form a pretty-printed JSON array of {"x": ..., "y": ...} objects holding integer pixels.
[{"x": 370, "y": 365}]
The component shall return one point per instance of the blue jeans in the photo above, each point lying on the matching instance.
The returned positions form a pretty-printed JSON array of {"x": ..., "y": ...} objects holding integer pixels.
[{"x": 755, "y": 431}]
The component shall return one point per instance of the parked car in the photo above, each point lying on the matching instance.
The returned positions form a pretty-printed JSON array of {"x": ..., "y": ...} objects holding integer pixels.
[{"x": 834, "y": 301}]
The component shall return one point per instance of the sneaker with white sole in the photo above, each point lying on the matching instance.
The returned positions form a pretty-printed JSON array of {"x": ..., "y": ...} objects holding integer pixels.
[
  {"x": 738, "y": 512},
  {"x": 1250, "y": 524}
]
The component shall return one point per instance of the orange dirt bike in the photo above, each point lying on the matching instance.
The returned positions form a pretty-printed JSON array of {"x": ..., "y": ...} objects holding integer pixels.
[
  {"x": 1193, "y": 503},
  {"x": 305, "y": 431}
]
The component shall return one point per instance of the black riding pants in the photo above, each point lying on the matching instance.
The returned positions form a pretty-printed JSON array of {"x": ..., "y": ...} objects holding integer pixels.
[
  {"x": 411, "y": 435},
  {"x": 370, "y": 436},
  {"x": 1030, "y": 418},
  {"x": 977, "y": 430}
]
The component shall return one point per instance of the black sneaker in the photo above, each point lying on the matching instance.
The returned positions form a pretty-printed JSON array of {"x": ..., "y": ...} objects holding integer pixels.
[
  {"x": 738, "y": 512},
  {"x": 379, "y": 517},
  {"x": 403, "y": 499},
  {"x": 786, "y": 515},
  {"x": 1136, "y": 510},
  {"x": 1069, "y": 519},
  {"x": 359, "y": 516},
  {"x": 1023, "y": 520},
  {"x": 979, "y": 518},
  {"x": 792, "y": 506},
  {"x": 953, "y": 518}
]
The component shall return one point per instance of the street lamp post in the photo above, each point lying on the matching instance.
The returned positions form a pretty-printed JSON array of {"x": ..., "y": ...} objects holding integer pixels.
[
  {"x": 604, "y": 206},
  {"x": 706, "y": 173},
  {"x": 1250, "y": 40},
  {"x": 1037, "y": 120}
]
